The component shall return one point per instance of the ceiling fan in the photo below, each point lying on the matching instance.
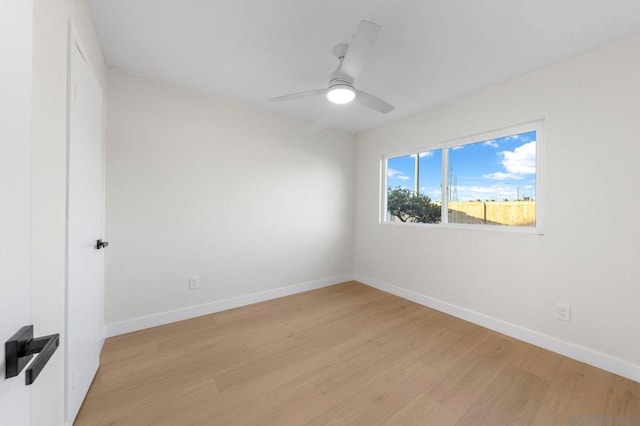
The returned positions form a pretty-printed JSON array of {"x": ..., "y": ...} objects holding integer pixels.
[{"x": 352, "y": 57}]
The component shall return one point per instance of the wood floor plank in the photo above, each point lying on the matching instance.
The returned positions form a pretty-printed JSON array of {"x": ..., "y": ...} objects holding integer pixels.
[
  {"x": 266, "y": 396},
  {"x": 284, "y": 406},
  {"x": 345, "y": 354},
  {"x": 623, "y": 404},
  {"x": 472, "y": 374},
  {"x": 289, "y": 351},
  {"x": 420, "y": 411},
  {"x": 384, "y": 396},
  {"x": 581, "y": 394},
  {"x": 511, "y": 399},
  {"x": 542, "y": 363}
]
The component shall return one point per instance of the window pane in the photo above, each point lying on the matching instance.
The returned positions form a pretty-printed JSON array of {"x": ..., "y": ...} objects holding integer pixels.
[
  {"x": 493, "y": 182},
  {"x": 413, "y": 186},
  {"x": 430, "y": 174},
  {"x": 401, "y": 172}
]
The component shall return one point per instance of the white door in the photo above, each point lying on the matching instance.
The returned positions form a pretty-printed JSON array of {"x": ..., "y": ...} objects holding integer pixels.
[
  {"x": 15, "y": 193},
  {"x": 84, "y": 336}
]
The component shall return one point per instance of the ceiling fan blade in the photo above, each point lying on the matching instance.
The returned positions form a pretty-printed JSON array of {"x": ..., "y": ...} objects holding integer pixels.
[
  {"x": 373, "y": 102},
  {"x": 363, "y": 41},
  {"x": 299, "y": 95}
]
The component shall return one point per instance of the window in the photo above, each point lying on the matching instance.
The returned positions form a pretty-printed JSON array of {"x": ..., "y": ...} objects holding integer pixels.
[{"x": 486, "y": 181}]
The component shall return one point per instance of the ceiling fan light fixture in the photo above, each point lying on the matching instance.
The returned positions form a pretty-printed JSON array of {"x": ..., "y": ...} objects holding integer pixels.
[{"x": 341, "y": 94}]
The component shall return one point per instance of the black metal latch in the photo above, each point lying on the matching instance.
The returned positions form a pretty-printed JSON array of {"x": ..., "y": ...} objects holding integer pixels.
[
  {"x": 21, "y": 347},
  {"x": 102, "y": 244}
]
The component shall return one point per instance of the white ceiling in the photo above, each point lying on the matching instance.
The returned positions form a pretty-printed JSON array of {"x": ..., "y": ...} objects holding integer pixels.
[{"x": 429, "y": 51}]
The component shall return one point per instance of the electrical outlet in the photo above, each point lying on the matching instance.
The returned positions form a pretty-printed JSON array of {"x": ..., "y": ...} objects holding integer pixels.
[
  {"x": 563, "y": 312},
  {"x": 194, "y": 282}
]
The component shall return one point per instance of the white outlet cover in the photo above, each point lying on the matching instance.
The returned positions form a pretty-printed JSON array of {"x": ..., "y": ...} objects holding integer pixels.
[
  {"x": 563, "y": 312},
  {"x": 194, "y": 282}
]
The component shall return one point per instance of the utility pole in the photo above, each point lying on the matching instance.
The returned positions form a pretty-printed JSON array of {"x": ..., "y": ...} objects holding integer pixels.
[
  {"x": 452, "y": 185},
  {"x": 416, "y": 184}
]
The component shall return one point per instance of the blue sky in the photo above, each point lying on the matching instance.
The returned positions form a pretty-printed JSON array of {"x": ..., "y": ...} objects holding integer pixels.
[{"x": 494, "y": 169}]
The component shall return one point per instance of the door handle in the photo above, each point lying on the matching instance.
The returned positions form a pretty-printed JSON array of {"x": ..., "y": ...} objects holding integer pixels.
[
  {"x": 101, "y": 244},
  {"x": 21, "y": 347}
]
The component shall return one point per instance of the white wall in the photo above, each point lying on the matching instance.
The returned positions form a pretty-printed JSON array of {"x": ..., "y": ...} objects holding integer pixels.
[
  {"x": 588, "y": 256},
  {"x": 48, "y": 183},
  {"x": 246, "y": 199}
]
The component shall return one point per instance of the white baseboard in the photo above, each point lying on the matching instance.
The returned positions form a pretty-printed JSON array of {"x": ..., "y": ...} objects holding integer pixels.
[
  {"x": 580, "y": 353},
  {"x": 162, "y": 318}
]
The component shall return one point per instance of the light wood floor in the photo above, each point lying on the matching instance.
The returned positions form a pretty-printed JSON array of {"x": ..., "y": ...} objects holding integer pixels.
[{"x": 346, "y": 354}]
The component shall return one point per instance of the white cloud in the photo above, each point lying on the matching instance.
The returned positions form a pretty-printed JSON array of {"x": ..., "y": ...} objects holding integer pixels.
[
  {"x": 423, "y": 154},
  {"x": 522, "y": 137},
  {"x": 434, "y": 193},
  {"x": 520, "y": 161},
  {"x": 496, "y": 192},
  {"x": 501, "y": 176},
  {"x": 478, "y": 189},
  {"x": 492, "y": 143},
  {"x": 473, "y": 192},
  {"x": 396, "y": 174},
  {"x": 455, "y": 148}
]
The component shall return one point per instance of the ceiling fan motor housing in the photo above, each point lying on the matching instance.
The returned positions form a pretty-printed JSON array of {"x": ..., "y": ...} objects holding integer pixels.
[{"x": 339, "y": 77}]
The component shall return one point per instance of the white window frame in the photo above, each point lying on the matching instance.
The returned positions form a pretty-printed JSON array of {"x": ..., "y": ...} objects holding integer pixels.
[{"x": 537, "y": 126}]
